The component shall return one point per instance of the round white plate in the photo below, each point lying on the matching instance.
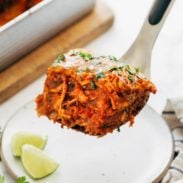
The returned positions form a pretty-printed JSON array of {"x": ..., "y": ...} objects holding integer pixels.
[{"x": 137, "y": 154}]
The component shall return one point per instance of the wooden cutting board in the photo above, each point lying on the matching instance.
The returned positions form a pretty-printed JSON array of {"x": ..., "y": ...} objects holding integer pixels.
[{"x": 36, "y": 63}]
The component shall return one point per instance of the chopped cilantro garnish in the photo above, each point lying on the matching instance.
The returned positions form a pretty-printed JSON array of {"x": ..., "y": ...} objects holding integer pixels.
[
  {"x": 118, "y": 129},
  {"x": 85, "y": 56},
  {"x": 113, "y": 58},
  {"x": 130, "y": 78},
  {"x": 80, "y": 71},
  {"x": 100, "y": 75},
  {"x": 115, "y": 69},
  {"x": 19, "y": 180},
  {"x": 60, "y": 57},
  {"x": 137, "y": 70},
  {"x": 93, "y": 85},
  {"x": 22, "y": 180},
  {"x": 130, "y": 71}
]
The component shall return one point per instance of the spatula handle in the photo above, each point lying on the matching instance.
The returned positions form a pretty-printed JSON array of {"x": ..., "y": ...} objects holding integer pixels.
[
  {"x": 139, "y": 53},
  {"x": 154, "y": 22},
  {"x": 158, "y": 10}
]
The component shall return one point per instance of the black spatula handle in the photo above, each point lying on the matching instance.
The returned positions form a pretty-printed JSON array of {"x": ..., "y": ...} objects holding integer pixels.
[{"x": 158, "y": 10}]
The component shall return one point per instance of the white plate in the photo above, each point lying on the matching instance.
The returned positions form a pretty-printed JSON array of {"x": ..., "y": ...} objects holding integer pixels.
[{"x": 139, "y": 154}]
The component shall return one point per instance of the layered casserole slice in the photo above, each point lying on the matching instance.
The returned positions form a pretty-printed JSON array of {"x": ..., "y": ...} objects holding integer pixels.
[{"x": 93, "y": 94}]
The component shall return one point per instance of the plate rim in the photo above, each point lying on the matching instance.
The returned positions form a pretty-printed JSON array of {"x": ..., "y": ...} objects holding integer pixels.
[{"x": 163, "y": 172}]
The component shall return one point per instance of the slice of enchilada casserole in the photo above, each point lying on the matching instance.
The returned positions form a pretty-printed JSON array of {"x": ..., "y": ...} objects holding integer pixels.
[{"x": 93, "y": 94}]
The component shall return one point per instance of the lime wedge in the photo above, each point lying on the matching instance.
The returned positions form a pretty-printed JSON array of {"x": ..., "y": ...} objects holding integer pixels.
[
  {"x": 36, "y": 162},
  {"x": 21, "y": 138}
]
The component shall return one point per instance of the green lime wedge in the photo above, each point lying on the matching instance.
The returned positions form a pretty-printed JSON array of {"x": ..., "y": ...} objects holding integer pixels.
[
  {"x": 21, "y": 138},
  {"x": 36, "y": 162}
]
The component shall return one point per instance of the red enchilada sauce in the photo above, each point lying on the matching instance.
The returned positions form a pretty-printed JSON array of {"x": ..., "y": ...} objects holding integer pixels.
[{"x": 9, "y": 9}]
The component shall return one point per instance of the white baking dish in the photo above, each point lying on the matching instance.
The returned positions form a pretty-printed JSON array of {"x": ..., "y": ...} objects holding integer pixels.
[{"x": 36, "y": 25}]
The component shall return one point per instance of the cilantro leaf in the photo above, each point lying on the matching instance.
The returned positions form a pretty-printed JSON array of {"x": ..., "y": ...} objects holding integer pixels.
[
  {"x": 93, "y": 85},
  {"x": 100, "y": 75},
  {"x": 22, "y": 180},
  {"x": 60, "y": 57},
  {"x": 113, "y": 58},
  {"x": 130, "y": 78},
  {"x": 137, "y": 69},
  {"x": 85, "y": 56}
]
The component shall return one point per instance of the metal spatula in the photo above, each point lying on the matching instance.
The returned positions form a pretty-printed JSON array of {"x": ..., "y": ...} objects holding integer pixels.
[{"x": 139, "y": 54}]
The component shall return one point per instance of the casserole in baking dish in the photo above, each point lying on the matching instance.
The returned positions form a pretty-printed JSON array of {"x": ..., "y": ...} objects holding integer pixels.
[
  {"x": 9, "y": 9},
  {"x": 31, "y": 28}
]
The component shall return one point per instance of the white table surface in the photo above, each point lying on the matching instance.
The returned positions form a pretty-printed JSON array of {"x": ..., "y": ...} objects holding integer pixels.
[{"x": 167, "y": 56}]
